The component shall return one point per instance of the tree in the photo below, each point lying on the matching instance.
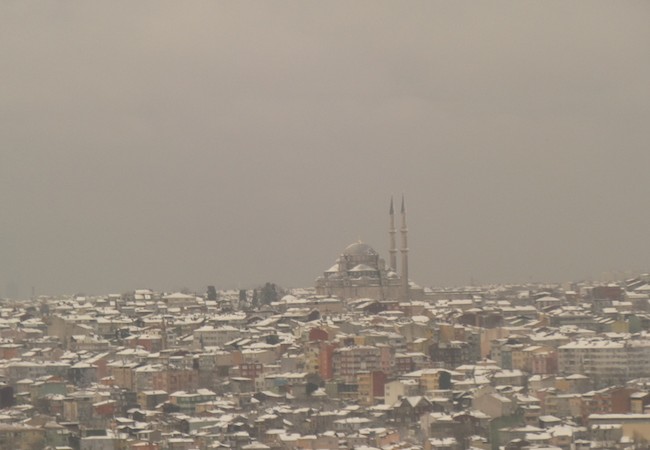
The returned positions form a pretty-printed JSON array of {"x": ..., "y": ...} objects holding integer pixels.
[
  {"x": 212, "y": 293},
  {"x": 444, "y": 380},
  {"x": 314, "y": 381},
  {"x": 269, "y": 294}
]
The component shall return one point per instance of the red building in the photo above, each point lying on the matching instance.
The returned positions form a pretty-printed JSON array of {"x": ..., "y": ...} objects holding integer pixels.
[
  {"x": 325, "y": 360},
  {"x": 105, "y": 409},
  {"x": 318, "y": 334},
  {"x": 251, "y": 370},
  {"x": 151, "y": 343}
]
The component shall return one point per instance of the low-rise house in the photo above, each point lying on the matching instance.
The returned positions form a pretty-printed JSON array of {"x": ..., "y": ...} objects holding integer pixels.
[{"x": 493, "y": 404}]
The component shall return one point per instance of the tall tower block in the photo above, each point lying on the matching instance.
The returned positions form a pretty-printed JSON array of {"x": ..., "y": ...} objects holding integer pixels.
[
  {"x": 392, "y": 231},
  {"x": 405, "y": 255}
]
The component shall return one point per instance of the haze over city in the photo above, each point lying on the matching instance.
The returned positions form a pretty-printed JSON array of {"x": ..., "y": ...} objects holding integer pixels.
[{"x": 170, "y": 145}]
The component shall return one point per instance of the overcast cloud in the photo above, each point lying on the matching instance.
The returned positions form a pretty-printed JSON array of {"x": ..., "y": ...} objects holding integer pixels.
[{"x": 181, "y": 144}]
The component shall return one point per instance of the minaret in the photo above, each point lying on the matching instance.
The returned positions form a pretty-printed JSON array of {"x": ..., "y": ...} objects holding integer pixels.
[
  {"x": 405, "y": 255},
  {"x": 393, "y": 244}
]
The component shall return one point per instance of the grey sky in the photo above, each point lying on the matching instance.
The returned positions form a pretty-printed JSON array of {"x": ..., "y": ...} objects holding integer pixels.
[{"x": 172, "y": 144}]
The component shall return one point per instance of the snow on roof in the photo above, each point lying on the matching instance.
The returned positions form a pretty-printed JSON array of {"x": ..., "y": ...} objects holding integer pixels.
[{"x": 179, "y": 296}]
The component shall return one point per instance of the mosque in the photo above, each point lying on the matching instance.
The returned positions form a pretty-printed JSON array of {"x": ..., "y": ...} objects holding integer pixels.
[{"x": 360, "y": 272}]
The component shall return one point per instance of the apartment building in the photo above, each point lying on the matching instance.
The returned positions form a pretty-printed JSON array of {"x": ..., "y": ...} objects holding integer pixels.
[
  {"x": 348, "y": 361},
  {"x": 605, "y": 361}
]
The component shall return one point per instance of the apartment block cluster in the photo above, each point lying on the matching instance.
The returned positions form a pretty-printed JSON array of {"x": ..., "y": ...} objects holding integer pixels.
[{"x": 504, "y": 366}]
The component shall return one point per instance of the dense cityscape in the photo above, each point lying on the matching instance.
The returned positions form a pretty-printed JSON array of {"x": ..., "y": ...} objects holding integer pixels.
[
  {"x": 204, "y": 241},
  {"x": 363, "y": 360}
]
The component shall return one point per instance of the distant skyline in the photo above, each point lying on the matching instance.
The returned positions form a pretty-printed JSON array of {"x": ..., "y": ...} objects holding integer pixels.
[{"x": 169, "y": 145}]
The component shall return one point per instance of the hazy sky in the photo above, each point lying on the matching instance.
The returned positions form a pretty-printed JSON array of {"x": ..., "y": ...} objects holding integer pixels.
[{"x": 180, "y": 144}]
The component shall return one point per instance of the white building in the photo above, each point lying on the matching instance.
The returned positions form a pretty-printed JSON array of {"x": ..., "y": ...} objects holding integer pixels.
[{"x": 606, "y": 361}]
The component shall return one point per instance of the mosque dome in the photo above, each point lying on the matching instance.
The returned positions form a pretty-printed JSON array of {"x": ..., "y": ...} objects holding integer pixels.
[
  {"x": 360, "y": 272},
  {"x": 359, "y": 249}
]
